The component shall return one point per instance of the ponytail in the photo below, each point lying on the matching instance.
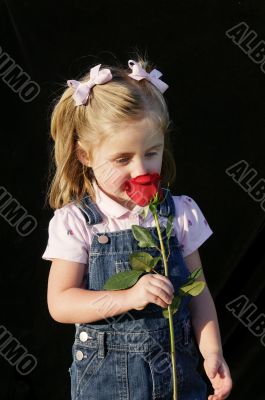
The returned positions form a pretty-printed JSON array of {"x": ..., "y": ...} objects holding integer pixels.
[{"x": 71, "y": 180}]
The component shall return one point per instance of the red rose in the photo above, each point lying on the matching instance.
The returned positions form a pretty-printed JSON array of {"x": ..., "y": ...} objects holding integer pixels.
[{"x": 143, "y": 188}]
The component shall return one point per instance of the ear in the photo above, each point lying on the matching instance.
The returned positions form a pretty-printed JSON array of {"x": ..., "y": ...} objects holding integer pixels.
[{"x": 82, "y": 154}]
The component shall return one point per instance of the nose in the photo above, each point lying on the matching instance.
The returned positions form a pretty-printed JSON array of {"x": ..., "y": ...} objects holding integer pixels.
[{"x": 139, "y": 168}]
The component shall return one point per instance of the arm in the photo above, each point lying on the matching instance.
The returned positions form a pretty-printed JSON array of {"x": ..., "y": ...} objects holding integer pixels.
[
  {"x": 203, "y": 313},
  {"x": 69, "y": 302},
  {"x": 206, "y": 330}
]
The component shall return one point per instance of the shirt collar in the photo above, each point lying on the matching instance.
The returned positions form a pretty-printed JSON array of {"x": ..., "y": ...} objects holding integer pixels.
[{"x": 111, "y": 207}]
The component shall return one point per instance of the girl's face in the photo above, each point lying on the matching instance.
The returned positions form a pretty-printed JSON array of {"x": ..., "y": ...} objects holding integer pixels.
[{"x": 136, "y": 148}]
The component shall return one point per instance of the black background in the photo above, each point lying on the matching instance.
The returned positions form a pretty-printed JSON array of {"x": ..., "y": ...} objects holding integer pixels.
[{"x": 216, "y": 101}]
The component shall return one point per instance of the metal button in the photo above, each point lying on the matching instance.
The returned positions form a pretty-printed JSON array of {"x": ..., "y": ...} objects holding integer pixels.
[
  {"x": 103, "y": 239},
  {"x": 83, "y": 336},
  {"x": 79, "y": 355}
]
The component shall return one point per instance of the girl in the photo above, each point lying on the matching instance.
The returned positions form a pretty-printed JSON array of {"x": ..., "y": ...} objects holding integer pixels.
[{"x": 113, "y": 126}]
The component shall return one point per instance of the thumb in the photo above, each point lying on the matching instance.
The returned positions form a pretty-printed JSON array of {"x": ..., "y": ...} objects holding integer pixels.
[{"x": 211, "y": 366}]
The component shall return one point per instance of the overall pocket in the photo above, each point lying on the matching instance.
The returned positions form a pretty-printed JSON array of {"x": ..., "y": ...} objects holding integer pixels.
[
  {"x": 161, "y": 371},
  {"x": 86, "y": 366},
  {"x": 72, "y": 372}
]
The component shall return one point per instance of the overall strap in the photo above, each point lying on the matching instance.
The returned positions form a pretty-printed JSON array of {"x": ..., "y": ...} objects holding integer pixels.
[
  {"x": 90, "y": 211},
  {"x": 167, "y": 207},
  {"x": 93, "y": 216}
]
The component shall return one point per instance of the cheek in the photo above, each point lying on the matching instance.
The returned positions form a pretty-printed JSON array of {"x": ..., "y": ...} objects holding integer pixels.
[
  {"x": 160, "y": 161},
  {"x": 104, "y": 172},
  {"x": 156, "y": 164},
  {"x": 110, "y": 177},
  {"x": 117, "y": 178},
  {"x": 101, "y": 171}
]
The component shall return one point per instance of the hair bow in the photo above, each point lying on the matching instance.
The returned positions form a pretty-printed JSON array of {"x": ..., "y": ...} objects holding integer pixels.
[
  {"x": 139, "y": 73},
  {"x": 82, "y": 89}
]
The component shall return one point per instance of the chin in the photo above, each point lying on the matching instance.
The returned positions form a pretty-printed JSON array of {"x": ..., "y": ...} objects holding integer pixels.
[{"x": 126, "y": 201}]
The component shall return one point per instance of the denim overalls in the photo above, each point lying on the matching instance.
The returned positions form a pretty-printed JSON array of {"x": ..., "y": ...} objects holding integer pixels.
[{"x": 127, "y": 357}]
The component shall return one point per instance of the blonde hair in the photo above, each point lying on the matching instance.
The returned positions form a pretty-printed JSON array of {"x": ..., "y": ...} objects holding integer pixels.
[{"x": 120, "y": 100}]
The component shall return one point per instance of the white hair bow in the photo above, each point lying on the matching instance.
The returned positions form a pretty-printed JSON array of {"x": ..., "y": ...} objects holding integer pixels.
[
  {"x": 82, "y": 89},
  {"x": 139, "y": 73}
]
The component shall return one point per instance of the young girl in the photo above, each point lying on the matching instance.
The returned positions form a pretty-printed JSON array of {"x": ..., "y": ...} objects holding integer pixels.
[{"x": 113, "y": 126}]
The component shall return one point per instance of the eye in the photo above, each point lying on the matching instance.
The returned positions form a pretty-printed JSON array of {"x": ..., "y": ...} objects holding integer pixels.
[
  {"x": 122, "y": 160},
  {"x": 125, "y": 159},
  {"x": 152, "y": 153}
]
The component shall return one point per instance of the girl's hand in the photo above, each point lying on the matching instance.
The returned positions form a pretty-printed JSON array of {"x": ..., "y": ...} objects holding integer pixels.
[
  {"x": 151, "y": 288},
  {"x": 218, "y": 372}
]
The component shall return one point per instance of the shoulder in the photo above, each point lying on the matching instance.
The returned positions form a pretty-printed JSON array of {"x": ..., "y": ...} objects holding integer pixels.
[
  {"x": 69, "y": 219},
  {"x": 187, "y": 210},
  {"x": 190, "y": 224},
  {"x": 183, "y": 204},
  {"x": 69, "y": 236},
  {"x": 70, "y": 210}
]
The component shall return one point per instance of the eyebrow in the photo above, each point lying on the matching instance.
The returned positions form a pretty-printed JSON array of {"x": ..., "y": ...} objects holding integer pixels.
[{"x": 120, "y": 154}]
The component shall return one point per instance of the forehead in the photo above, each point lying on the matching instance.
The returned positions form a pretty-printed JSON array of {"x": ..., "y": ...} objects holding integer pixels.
[{"x": 144, "y": 131}]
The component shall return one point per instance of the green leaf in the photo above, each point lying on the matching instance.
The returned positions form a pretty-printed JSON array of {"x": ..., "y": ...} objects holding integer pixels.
[
  {"x": 155, "y": 200},
  {"x": 196, "y": 273},
  {"x": 174, "y": 306},
  {"x": 152, "y": 208},
  {"x": 193, "y": 289},
  {"x": 143, "y": 236},
  {"x": 141, "y": 261},
  {"x": 169, "y": 226},
  {"x": 155, "y": 261},
  {"x": 192, "y": 276},
  {"x": 122, "y": 280}
]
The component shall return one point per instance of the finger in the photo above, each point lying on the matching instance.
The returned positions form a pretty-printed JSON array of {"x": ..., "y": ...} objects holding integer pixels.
[
  {"x": 219, "y": 394},
  {"x": 156, "y": 299},
  {"x": 159, "y": 292},
  {"x": 214, "y": 397},
  {"x": 163, "y": 290},
  {"x": 164, "y": 279}
]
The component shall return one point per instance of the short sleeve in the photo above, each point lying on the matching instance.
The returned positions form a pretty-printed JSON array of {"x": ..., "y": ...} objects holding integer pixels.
[
  {"x": 67, "y": 237},
  {"x": 191, "y": 226}
]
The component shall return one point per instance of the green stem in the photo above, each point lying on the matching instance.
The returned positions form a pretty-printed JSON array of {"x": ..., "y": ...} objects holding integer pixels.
[{"x": 170, "y": 319}]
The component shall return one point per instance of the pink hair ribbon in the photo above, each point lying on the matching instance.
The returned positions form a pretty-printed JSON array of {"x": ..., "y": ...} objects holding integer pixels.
[
  {"x": 82, "y": 89},
  {"x": 139, "y": 73}
]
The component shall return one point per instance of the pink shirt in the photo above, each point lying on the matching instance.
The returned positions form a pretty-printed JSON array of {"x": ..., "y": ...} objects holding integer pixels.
[{"x": 70, "y": 236}]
